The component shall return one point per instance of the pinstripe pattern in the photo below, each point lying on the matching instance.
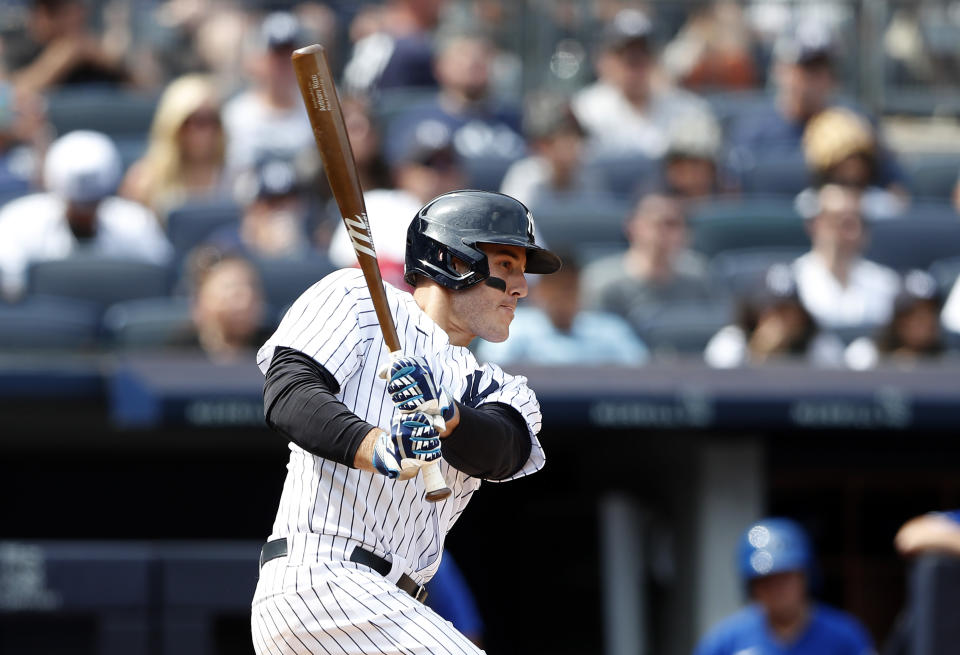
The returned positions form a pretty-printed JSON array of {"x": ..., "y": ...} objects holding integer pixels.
[{"x": 315, "y": 600}]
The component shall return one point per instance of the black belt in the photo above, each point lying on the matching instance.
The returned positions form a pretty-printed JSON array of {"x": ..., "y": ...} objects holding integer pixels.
[{"x": 278, "y": 548}]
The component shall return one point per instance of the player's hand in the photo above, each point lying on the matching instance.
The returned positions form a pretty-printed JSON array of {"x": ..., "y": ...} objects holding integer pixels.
[
  {"x": 412, "y": 389},
  {"x": 412, "y": 442}
]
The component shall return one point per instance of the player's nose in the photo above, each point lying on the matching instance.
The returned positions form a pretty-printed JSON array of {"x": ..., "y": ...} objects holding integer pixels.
[{"x": 518, "y": 285}]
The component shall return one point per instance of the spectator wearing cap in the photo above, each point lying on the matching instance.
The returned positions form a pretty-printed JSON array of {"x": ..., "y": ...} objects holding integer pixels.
[
  {"x": 773, "y": 324},
  {"x": 554, "y": 171},
  {"x": 836, "y": 284},
  {"x": 629, "y": 109},
  {"x": 556, "y": 330},
  {"x": 185, "y": 154},
  {"x": 913, "y": 332},
  {"x": 58, "y": 48},
  {"x": 482, "y": 129},
  {"x": 840, "y": 147},
  {"x": 805, "y": 59},
  {"x": 423, "y": 164},
  {"x": 395, "y": 50},
  {"x": 777, "y": 565},
  {"x": 273, "y": 222},
  {"x": 656, "y": 269},
  {"x": 691, "y": 169},
  {"x": 77, "y": 214},
  {"x": 267, "y": 119}
]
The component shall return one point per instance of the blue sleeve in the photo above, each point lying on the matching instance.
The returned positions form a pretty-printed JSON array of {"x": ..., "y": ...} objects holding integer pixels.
[
  {"x": 953, "y": 515},
  {"x": 449, "y": 596}
]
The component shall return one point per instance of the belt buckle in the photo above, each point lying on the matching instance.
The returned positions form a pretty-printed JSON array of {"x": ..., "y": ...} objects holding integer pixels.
[{"x": 421, "y": 595}]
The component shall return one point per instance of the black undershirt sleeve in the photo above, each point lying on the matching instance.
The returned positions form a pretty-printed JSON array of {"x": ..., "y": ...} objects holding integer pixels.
[
  {"x": 491, "y": 441},
  {"x": 299, "y": 402}
]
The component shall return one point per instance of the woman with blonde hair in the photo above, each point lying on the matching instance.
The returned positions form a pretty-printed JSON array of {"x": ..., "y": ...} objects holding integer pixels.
[{"x": 185, "y": 154}]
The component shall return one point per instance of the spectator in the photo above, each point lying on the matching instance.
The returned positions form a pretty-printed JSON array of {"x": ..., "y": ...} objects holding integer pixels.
[
  {"x": 227, "y": 306},
  {"x": 806, "y": 84},
  {"x": 836, "y": 284},
  {"x": 913, "y": 331},
  {"x": 273, "y": 224},
  {"x": 657, "y": 267},
  {"x": 366, "y": 142},
  {"x": 396, "y": 50},
  {"x": 556, "y": 331},
  {"x": 840, "y": 147},
  {"x": 554, "y": 172},
  {"x": 268, "y": 120},
  {"x": 772, "y": 323},
  {"x": 185, "y": 155},
  {"x": 776, "y": 563},
  {"x": 24, "y": 135},
  {"x": 58, "y": 49},
  {"x": 77, "y": 214},
  {"x": 423, "y": 165},
  {"x": 480, "y": 127},
  {"x": 691, "y": 166},
  {"x": 951, "y": 309},
  {"x": 627, "y": 109}
]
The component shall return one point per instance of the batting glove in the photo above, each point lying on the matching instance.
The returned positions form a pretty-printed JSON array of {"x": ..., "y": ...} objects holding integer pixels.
[
  {"x": 412, "y": 442},
  {"x": 412, "y": 389}
]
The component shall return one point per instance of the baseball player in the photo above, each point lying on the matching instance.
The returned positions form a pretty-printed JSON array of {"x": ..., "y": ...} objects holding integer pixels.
[
  {"x": 354, "y": 540},
  {"x": 776, "y": 564}
]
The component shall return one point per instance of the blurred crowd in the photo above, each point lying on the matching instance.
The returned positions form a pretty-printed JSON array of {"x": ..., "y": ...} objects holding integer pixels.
[{"x": 718, "y": 187}]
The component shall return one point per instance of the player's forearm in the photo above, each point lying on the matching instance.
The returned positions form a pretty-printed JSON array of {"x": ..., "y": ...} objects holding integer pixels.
[
  {"x": 364, "y": 457},
  {"x": 299, "y": 403},
  {"x": 491, "y": 442}
]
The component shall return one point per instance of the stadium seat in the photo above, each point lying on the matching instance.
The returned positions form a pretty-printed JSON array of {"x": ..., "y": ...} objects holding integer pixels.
[
  {"x": 486, "y": 173},
  {"x": 285, "y": 279},
  {"x": 931, "y": 175},
  {"x": 682, "y": 327},
  {"x": 749, "y": 222},
  {"x": 946, "y": 272},
  {"x": 99, "y": 280},
  {"x": 48, "y": 323},
  {"x": 623, "y": 174},
  {"x": 587, "y": 225},
  {"x": 931, "y": 210},
  {"x": 146, "y": 323},
  {"x": 775, "y": 174},
  {"x": 727, "y": 106},
  {"x": 111, "y": 111},
  {"x": 190, "y": 224},
  {"x": 738, "y": 270},
  {"x": 912, "y": 242}
]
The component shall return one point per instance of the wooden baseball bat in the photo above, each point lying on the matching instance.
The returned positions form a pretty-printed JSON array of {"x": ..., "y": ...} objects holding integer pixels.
[{"x": 330, "y": 133}]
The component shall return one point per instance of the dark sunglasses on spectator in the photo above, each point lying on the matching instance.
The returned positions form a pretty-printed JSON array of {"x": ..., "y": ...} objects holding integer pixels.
[{"x": 203, "y": 119}]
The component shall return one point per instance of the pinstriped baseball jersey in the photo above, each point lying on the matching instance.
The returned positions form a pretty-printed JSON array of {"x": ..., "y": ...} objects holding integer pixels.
[{"x": 334, "y": 322}]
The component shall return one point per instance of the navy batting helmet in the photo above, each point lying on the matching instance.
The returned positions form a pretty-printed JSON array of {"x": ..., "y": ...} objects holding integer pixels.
[
  {"x": 774, "y": 545},
  {"x": 453, "y": 224}
]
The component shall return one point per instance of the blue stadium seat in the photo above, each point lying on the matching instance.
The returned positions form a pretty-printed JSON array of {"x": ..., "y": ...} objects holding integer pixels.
[
  {"x": 931, "y": 175},
  {"x": 775, "y": 174},
  {"x": 586, "y": 224},
  {"x": 913, "y": 243},
  {"x": 946, "y": 272},
  {"x": 146, "y": 323},
  {"x": 285, "y": 279},
  {"x": 99, "y": 280},
  {"x": 738, "y": 270},
  {"x": 486, "y": 173},
  {"x": 623, "y": 174},
  {"x": 683, "y": 327},
  {"x": 748, "y": 222},
  {"x": 728, "y": 106},
  {"x": 190, "y": 224},
  {"x": 112, "y": 111},
  {"x": 48, "y": 323}
]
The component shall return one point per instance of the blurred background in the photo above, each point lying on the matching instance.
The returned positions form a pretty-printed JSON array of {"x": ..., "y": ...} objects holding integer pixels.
[{"x": 757, "y": 204}]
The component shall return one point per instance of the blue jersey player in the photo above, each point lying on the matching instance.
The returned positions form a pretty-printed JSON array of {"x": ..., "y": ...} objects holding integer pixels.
[{"x": 776, "y": 561}]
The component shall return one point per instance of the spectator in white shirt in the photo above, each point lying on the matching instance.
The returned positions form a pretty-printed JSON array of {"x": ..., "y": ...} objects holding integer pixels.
[
  {"x": 836, "y": 284},
  {"x": 629, "y": 109},
  {"x": 268, "y": 120},
  {"x": 77, "y": 214},
  {"x": 951, "y": 309}
]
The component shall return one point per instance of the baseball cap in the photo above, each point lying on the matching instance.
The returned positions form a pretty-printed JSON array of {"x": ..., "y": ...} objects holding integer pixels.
[
  {"x": 627, "y": 26},
  {"x": 271, "y": 177},
  {"x": 696, "y": 135},
  {"x": 917, "y": 286},
  {"x": 419, "y": 142},
  {"x": 82, "y": 167},
  {"x": 279, "y": 30},
  {"x": 810, "y": 42}
]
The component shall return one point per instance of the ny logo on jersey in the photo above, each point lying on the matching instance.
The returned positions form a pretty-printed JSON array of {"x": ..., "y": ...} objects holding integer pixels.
[{"x": 473, "y": 396}]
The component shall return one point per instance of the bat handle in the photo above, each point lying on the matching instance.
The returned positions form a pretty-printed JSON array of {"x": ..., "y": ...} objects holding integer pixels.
[{"x": 437, "y": 488}]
